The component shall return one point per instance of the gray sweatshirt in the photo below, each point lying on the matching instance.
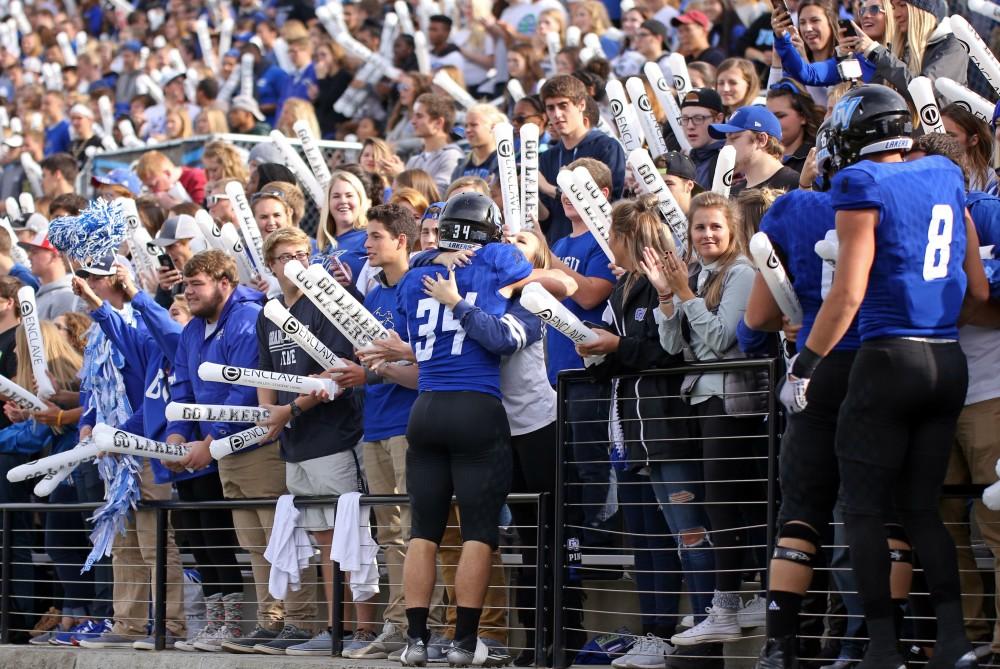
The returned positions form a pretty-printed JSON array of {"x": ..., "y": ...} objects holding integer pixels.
[
  {"x": 439, "y": 164},
  {"x": 56, "y": 298}
]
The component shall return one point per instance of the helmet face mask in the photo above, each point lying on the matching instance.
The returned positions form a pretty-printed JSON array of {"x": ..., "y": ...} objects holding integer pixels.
[
  {"x": 469, "y": 221},
  {"x": 869, "y": 119},
  {"x": 824, "y": 158}
]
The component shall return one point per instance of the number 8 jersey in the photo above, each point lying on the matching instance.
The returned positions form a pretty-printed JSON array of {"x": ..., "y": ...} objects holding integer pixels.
[
  {"x": 448, "y": 360},
  {"x": 917, "y": 280}
]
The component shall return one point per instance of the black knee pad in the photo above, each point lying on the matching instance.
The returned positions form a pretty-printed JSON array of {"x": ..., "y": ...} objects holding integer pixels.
[
  {"x": 801, "y": 532},
  {"x": 793, "y": 555}
]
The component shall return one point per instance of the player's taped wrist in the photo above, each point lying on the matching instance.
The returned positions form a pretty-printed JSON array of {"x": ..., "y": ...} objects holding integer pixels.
[{"x": 805, "y": 363}]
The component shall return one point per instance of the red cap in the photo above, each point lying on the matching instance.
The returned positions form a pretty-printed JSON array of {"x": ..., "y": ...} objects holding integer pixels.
[
  {"x": 694, "y": 16},
  {"x": 41, "y": 240}
]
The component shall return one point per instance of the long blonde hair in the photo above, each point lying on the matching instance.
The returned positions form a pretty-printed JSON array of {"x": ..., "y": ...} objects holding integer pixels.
[
  {"x": 295, "y": 110},
  {"x": 712, "y": 291},
  {"x": 910, "y": 46},
  {"x": 481, "y": 9},
  {"x": 63, "y": 359},
  {"x": 325, "y": 234},
  {"x": 638, "y": 225}
]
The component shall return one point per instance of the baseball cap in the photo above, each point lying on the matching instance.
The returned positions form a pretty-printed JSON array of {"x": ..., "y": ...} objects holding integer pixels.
[
  {"x": 177, "y": 228},
  {"x": 266, "y": 152},
  {"x": 702, "y": 97},
  {"x": 755, "y": 118},
  {"x": 103, "y": 266},
  {"x": 936, "y": 8},
  {"x": 681, "y": 166},
  {"x": 133, "y": 45},
  {"x": 119, "y": 177},
  {"x": 167, "y": 75},
  {"x": 81, "y": 110},
  {"x": 41, "y": 241},
  {"x": 247, "y": 104},
  {"x": 657, "y": 28},
  {"x": 34, "y": 223},
  {"x": 694, "y": 16}
]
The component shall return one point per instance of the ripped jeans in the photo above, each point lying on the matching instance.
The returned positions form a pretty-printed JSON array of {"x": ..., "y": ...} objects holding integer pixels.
[{"x": 679, "y": 490}]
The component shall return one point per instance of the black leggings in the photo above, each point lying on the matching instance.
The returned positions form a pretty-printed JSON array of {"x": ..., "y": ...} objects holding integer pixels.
[
  {"x": 209, "y": 534},
  {"x": 459, "y": 443},
  {"x": 894, "y": 437},
  {"x": 735, "y": 489}
]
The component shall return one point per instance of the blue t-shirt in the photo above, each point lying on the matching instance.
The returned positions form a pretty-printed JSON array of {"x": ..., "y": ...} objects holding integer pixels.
[
  {"x": 794, "y": 223},
  {"x": 450, "y": 361},
  {"x": 296, "y": 85},
  {"x": 350, "y": 250},
  {"x": 57, "y": 138},
  {"x": 985, "y": 211},
  {"x": 581, "y": 254},
  {"x": 917, "y": 283},
  {"x": 387, "y": 405},
  {"x": 269, "y": 87}
]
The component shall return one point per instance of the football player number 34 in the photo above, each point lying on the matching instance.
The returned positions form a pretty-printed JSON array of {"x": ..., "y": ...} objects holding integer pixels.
[
  {"x": 938, "y": 250},
  {"x": 427, "y": 332}
]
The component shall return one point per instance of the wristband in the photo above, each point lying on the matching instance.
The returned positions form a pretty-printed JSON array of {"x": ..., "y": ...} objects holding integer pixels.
[
  {"x": 59, "y": 418},
  {"x": 805, "y": 363}
]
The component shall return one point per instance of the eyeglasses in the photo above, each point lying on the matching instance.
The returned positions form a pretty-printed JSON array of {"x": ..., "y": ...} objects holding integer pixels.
[
  {"x": 212, "y": 200},
  {"x": 267, "y": 193},
  {"x": 695, "y": 119},
  {"x": 286, "y": 258},
  {"x": 524, "y": 118},
  {"x": 871, "y": 10}
]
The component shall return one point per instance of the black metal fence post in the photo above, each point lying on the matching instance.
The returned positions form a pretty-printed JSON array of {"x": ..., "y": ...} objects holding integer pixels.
[
  {"x": 160, "y": 581},
  {"x": 541, "y": 567},
  {"x": 772, "y": 454},
  {"x": 337, "y": 629},
  {"x": 559, "y": 540},
  {"x": 5, "y": 594}
]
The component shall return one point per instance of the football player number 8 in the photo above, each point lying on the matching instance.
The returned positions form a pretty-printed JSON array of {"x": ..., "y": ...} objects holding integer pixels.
[{"x": 938, "y": 250}]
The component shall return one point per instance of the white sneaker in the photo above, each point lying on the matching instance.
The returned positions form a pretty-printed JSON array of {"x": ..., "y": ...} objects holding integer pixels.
[
  {"x": 648, "y": 652},
  {"x": 687, "y": 621},
  {"x": 389, "y": 641},
  {"x": 720, "y": 625},
  {"x": 753, "y": 613}
]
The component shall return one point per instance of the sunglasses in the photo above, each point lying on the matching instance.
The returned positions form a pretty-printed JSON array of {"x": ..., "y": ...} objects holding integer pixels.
[
  {"x": 787, "y": 85},
  {"x": 212, "y": 200},
  {"x": 259, "y": 195},
  {"x": 870, "y": 10}
]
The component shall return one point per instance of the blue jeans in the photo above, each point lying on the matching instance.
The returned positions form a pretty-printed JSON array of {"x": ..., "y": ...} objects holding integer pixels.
[
  {"x": 657, "y": 569},
  {"x": 681, "y": 496}
]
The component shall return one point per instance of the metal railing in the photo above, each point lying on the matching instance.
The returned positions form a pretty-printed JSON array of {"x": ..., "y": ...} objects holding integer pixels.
[{"x": 532, "y": 538}]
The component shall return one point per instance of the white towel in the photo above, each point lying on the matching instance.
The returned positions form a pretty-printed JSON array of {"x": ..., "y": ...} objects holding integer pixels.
[
  {"x": 288, "y": 551},
  {"x": 353, "y": 546}
]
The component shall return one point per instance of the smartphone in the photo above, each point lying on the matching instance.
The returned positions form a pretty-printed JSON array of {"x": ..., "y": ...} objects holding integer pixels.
[
  {"x": 165, "y": 261},
  {"x": 848, "y": 27},
  {"x": 780, "y": 4}
]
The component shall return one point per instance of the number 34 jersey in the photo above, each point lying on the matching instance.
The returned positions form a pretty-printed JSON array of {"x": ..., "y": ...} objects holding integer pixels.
[
  {"x": 917, "y": 280},
  {"x": 448, "y": 360}
]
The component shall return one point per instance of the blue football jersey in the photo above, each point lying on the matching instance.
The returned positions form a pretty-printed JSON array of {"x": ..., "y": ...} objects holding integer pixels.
[
  {"x": 917, "y": 282},
  {"x": 387, "y": 405},
  {"x": 448, "y": 360},
  {"x": 794, "y": 223}
]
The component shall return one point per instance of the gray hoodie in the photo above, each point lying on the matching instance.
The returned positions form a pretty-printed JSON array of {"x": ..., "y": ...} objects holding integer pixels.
[
  {"x": 56, "y": 298},
  {"x": 439, "y": 164}
]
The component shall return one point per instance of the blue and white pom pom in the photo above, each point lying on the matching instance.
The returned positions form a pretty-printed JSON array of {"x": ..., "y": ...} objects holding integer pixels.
[{"x": 97, "y": 231}]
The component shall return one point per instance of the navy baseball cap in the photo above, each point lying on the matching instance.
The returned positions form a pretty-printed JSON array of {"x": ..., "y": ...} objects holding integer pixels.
[{"x": 755, "y": 118}]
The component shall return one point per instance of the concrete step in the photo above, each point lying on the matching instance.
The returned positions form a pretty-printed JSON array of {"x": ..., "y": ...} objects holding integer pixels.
[{"x": 30, "y": 657}]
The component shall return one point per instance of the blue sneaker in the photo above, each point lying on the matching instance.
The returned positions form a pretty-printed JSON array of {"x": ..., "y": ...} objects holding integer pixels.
[
  {"x": 66, "y": 638},
  {"x": 97, "y": 629}
]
